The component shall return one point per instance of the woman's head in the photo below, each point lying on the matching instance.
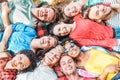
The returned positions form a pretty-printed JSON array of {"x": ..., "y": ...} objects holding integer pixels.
[
  {"x": 24, "y": 60},
  {"x": 72, "y": 9},
  {"x": 47, "y": 42},
  {"x": 67, "y": 65},
  {"x": 72, "y": 49},
  {"x": 60, "y": 29},
  {"x": 98, "y": 12},
  {"x": 47, "y": 13},
  {"x": 53, "y": 55}
]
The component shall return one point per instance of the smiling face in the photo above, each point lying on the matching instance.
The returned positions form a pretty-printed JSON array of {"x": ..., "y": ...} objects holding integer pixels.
[
  {"x": 53, "y": 56},
  {"x": 47, "y": 42},
  {"x": 72, "y": 49},
  {"x": 20, "y": 62},
  {"x": 45, "y": 14},
  {"x": 100, "y": 12},
  {"x": 61, "y": 29},
  {"x": 72, "y": 9},
  {"x": 68, "y": 66}
]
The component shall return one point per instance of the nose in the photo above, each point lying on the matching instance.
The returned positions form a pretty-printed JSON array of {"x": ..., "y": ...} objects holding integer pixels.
[
  {"x": 52, "y": 56},
  {"x": 67, "y": 65},
  {"x": 72, "y": 9},
  {"x": 63, "y": 30},
  {"x": 44, "y": 14},
  {"x": 19, "y": 63},
  {"x": 47, "y": 40}
]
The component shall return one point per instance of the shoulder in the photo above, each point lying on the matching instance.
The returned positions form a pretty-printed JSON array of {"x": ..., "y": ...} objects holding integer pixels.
[{"x": 4, "y": 54}]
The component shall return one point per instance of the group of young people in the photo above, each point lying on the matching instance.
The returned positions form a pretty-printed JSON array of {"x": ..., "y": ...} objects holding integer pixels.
[{"x": 80, "y": 37}]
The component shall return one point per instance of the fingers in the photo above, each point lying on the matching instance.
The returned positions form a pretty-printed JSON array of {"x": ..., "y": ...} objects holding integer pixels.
[
  {"x": 4, "y": 4},
  {"x": 5, "y": 8},
  {"x": 119, "y": 62},
  {"x": 117, "y": 68}
]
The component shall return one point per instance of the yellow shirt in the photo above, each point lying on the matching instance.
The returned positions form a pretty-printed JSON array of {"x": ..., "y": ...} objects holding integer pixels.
[{"x": 98, "y": 61}]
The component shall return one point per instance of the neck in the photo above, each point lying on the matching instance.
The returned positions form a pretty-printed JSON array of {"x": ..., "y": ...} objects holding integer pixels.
[
  {"x": 35, "y": 44},
  {"x": 73, "y": 77},
  {"x": 80, "y": 56},
  {"x": 34, "y": 12},
  {"x": 73, "y": 26}
]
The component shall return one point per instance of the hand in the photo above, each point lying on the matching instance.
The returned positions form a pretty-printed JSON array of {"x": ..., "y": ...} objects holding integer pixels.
[
  {"x": 116, "y": 7},
  {"x": 112, "y": 69},
  {"x": 116, "y": 54},
  {"x": 5, "y": 8},
  {"x": 118, "y": 1},
  {"x": 109, "y": 69}
]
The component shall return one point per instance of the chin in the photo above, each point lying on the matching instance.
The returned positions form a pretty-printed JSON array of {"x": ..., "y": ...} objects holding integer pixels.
[{"x": 70, "y": 72}]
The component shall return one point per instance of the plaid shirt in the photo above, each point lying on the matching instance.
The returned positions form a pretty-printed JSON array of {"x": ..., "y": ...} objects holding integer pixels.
[{"x": 7, "y": 74}]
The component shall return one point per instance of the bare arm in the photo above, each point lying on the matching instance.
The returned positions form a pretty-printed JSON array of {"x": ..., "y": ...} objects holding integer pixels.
[
  {"x": 107, "y": 70},
  {"x": 5, "y": 14},
  {"x": 116, "y": 54},
  {"x": 4, "y": 54},
  {"x": 6, "y": 35},
  {"x": 116, "y": 7},
  {"x": 82, "y": 2}
]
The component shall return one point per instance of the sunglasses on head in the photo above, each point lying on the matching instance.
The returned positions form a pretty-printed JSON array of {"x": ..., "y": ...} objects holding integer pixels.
[{"x": 68, "y": 49}]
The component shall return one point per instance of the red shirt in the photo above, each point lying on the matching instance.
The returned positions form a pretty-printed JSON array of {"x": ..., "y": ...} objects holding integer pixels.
[
  {"x": 88, "y": 32},
  {"x": 7, "y": 74},
  {"x": 62, "y": 78}
]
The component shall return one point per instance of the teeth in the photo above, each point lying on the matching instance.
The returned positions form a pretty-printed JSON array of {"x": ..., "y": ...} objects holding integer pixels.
[
  {"x": 69, "y": 68},
  {"x": 74, "y": 52}
]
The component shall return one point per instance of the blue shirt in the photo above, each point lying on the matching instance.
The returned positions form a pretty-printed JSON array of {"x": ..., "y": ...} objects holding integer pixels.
[{"x": 20, "y": 38}]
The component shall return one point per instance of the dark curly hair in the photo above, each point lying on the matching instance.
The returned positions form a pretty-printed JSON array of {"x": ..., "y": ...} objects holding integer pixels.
[{"x": 32, "y": 57}]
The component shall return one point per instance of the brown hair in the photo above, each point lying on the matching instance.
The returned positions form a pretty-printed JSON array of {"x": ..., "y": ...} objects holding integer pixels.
[{"x": 85, "y": 12}]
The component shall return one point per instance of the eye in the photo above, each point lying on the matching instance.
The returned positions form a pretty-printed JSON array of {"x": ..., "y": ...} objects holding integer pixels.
[
  {"x": 59, "y": 29},
  {"x": 22, "y": 65},
  {"x": 97, "y": 12},
  {"x": 20, "y": 58},
  {"x": 72, "y": 45},
  {"x": 56, "y": 56},
  {"x": 67, "y": 50},
  {"x": 70, "y": 61},
  {"x": 63, "y": 63}
]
